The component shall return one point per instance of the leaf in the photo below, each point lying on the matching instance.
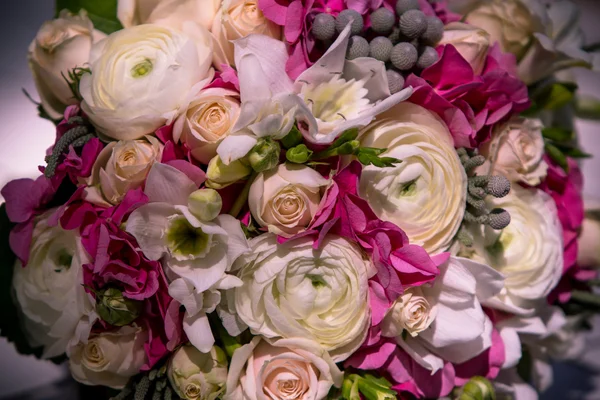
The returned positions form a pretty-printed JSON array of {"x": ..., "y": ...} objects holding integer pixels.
[
  {"x": 558, "y": 134},
  {"x": 558, "y": 95},
  {"x": 575, "y": 152},
  {"x": 557, "y": 155},
  {"x": 103, "y": 13},
  {"x": 347, "y": 136},
  {"x": 587, "y": 107},
  {"x": 367, "y": 156}
]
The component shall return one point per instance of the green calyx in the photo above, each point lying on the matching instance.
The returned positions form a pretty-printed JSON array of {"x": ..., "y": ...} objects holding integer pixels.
[
  {"x": 477, "y": 388},
  {"x": 299, "y": 154},
  {"x": 370, "y": 387},
  {"x": 185, "y": 240},
  {"x": 264, "y": 155},
  {"x": 115, "y": 309}
]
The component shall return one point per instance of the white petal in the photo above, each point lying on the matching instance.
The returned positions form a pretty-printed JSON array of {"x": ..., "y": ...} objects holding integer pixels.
[
  {"x": 373, "y": 71},
  {"x": 234, "y": 147},
  {"x": 489, "y": 281},
  {"x": 203, "y": 273},
  {"x": 237, "y": 244},
  {"x": 464, "y": 351},
  {"x": 421, "y": 354},
  {"x": 167, "y": 184},
  {"x": 197, "y": 329},
  {"x": 183, "y": 292},
  {"x": 148, "y": 224}
]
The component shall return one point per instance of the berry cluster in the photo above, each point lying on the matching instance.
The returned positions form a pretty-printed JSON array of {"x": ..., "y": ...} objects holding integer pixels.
[{"x": 404, "y": 40}]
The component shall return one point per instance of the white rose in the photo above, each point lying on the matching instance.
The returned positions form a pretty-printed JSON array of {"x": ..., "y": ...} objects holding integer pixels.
[
  {"x": 142, "y": 78},
  {"x": 110, "y": 358},
  {"x": 237, "y": 19},
  {"x": 171, "y": 13},
  {"x": 516, "y": 151},
  {"x": 294, "y": 369},
  {"x": 425, "y": 194},
  {"x": 295, "y": 291},
  {"x": 285, "y": 199},
  {"x": 120, "y": 167},
  {"x": 59, "y": 46},
  {"x": 528, "y": 252},
  {"x": 57, "y": 311},
  {"x": 445, "y": 318},
  {"x": 195, "y": 375},
  {"x": 471, "y": 42},
  {"x": 209, "y": 118}
]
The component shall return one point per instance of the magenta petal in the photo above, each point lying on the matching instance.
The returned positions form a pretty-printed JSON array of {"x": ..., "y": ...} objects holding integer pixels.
[
  {"x": 19, "y": 240},
  {"x": 274, "y": 10},
  {"x": 294, "y": 21},
  {"x": 24, "y": 196},
  {"x": 193, "y": 172}
]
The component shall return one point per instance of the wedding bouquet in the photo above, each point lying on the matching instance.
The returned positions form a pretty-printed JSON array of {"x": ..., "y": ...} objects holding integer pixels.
[{"x": 307, "y": 199}]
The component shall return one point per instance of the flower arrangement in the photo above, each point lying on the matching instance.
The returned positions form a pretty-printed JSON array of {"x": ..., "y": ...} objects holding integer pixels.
[{"x": 307, "y": 199}]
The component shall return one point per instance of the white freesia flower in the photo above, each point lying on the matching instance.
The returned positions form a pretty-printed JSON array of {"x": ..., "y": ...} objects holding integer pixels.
[
  {"x": 198, "y": 376},
  {"x": 529, "y": 251},
  {"x": 110, "y": 358},
  {"x": 197, "y": 253},
  {"x": 59, "y": 46},
  {"x": 292, "y": 290},
  {"x": 120, "y": 167},
  {"x": 328, "y": 98},
  {"x": 445, "y": 322},
  {"x": 143, "y": 78},
  {"x": 425, "y": 194},
  {"x": 57, "y": 311},
  {"x": 285, "y": 199},
  {"x": 471, "y": 42},
  {"x": 282, "y": 369},
  {"x": 516, "y": 151}
]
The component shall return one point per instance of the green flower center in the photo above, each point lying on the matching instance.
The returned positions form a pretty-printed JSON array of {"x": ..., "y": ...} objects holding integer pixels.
[
  {"x": 185, "y": 240},
  {"x": 142, "y": 69},
  {"x": 63, "y": 260}
]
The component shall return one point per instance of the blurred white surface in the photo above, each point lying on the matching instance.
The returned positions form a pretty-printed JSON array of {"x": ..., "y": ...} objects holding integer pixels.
[{"x": 24, "y": 139}]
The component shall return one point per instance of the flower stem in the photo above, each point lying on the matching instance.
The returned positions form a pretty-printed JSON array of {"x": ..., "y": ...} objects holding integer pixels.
[{"x": 243, "y": 197}]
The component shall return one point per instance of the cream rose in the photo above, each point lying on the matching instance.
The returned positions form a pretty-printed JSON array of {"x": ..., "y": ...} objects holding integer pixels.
[
  {"x": 285, "y": 199},
  {"x": 59, "y": 46},
  {"x": 528, "y": 252},
  {"x": 588, "y": 254},
  {"x": 237, "y": 19},
  {"x": 57, "y": 312},
  {"x": 292, "y": 290},
  {"x": 425, "y": 194},
  {"x": 511, "y": 23},
  {"x": 143, "y": 78},
  {"x": 209, "y": 118},
  {"x": 412, "y": 312},
  {"x": 291, "y": 369},
  {"x": 120, "y": 167},
  {"x": 517, "y": 151},
  {"x": 471, "y": 42},
  {"x": 171, "y": 13},
  {"x": 110, "y": 358},
  {"x": 198, "y": 376}
]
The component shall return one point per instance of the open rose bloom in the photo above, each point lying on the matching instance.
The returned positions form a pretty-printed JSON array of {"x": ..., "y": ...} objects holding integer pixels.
[{"x": 304, "y": 200}]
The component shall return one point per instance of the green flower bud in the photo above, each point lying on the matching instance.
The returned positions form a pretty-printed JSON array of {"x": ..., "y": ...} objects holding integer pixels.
[
  {"x": 478, "y": 388},
  {"x": 348, "y": 148},
  {"x": 196, "y": 375},
  {"x": 299, "y": 154},
  {"x": 115, "y": 309},
  {"x": 292, "y": 139},
  {"x": 264, "y": 155},
  {"x": 220, "y": 175},
  {"x": 205, "y": 204},
  {"x": 370, "y": 387}
]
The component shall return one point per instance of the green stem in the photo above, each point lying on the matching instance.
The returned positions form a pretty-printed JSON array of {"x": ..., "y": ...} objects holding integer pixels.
[
  {"x": 243, "y": 197},
  {"x": 587, "y": 298}
]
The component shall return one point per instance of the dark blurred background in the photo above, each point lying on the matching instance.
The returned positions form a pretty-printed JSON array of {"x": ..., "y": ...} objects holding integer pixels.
[{"x": 24, "y": 139}]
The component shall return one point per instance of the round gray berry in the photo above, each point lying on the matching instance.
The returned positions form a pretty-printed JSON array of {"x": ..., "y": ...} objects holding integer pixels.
[
  {"x": 404, "y": 56},
  {"x": 498, "y": 219},
  {"x": 382, "y": 20},
  {"x": 413, "y": 24},
  {"x": 357, "y": 47},
  {"x": 349, "y": 16},
  {"x": 395, "y": 81},
  {"x": 434, "y": 32},
  {"x": 380, "y": 48},
  {"x": 498, "y": 186},
  {"x": 323, "y": 27},
  {"x": 403, "y": 6},
  {"x": 427, "y": 58}
]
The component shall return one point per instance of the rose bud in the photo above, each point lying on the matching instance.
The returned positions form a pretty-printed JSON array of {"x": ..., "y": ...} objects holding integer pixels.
[
  {"x": 220, "y": 175},
  {"x": 196, "y": 375}
]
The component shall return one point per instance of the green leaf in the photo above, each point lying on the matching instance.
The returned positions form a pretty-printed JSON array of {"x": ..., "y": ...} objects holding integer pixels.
[
  {"x": 347, "y": 136},
  {"x": 367, "y": 157},
  {"x": 558, "y": 134},
  {"x": 557, "y": 95},
  {"x": 575, "y": 152},
  {"x": 557, "y": 155},
  {"x": 587, "y": 107},
  {"x": 103, "y": 13}
]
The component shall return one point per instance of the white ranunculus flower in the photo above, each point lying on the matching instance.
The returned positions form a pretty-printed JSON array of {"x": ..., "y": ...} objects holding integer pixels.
[
  {"x": 234, "y": 20},
  {"x": 196, "y": 251},
  {"x": 57, "y": 311},
  {"x": 471, "y": 42},
  {"x": 528, "y": 252},
  {"x": 425, "y": 194},
  {"x": 294, "y": 369},
  {"x": 59, "y": 46},
  {"x": 516, "y": 151},
  {"x": 285, "y": 199},
  {"x": 198, "y": 376},
  {"x": 445, "y": 322},
  {"x": 292, "y": 290},
  {"x": 120, "y": 167},
  {"x": 143, "y": 78},
  {"x": 209, "y": 119},
  {"x": 110, "y": 358}
]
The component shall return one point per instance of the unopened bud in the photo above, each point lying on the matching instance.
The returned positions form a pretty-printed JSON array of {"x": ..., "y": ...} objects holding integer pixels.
[
  {"x": 477, "y": 388},
  {"x": 205, "y": 204},
  {"x": 299, "y": 154},
  {"x": 264, "y": 155},
  {"x": 115, "y": 309},
  {"x": 220, "y": 175}
]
